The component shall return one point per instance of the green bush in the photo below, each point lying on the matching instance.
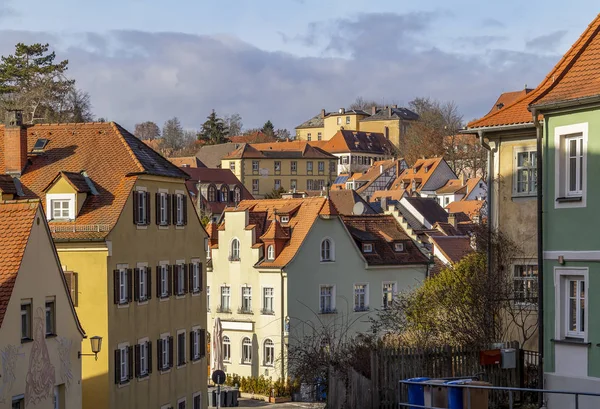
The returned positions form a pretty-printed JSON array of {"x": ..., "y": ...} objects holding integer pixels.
[{"x": 263, "y": 385}]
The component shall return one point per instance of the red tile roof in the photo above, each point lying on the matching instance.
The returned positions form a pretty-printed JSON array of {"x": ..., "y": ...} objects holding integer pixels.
[
  {"x": 420, "y": 172},
  {"x": 255, "y": 137},
  {"x": 16, "y": 220},
  {"x": 454, "y": 248},
  {"x": 508, "y": 98},
  {"x": 471, "y": 208},
  {"x": 187, "y": 162},
  {"x": 354, "y": 141}
]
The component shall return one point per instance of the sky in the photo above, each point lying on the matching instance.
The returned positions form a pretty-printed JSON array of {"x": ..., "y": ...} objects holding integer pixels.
[{"x": 285, "y": 60}]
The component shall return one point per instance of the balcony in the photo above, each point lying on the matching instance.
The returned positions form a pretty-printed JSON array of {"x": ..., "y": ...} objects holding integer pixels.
[
  {"x": 224, "y": 309},
  {"x": 267, "y": 311},
  {"x": 245, "y": 310}
]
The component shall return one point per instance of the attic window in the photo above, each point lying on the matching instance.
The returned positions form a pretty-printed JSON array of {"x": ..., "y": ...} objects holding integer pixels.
[
  {"x": 398, "y": 247},
  {"x": 285, "y": 219},
  {"x": 40, "y": 144},
  {"x": 367, "y": 247}
]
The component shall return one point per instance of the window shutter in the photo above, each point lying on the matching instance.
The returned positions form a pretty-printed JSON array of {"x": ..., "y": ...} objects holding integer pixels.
[
  {"x": 116, "y": 283},
  {"x": 149, "y": 283},
  {"x": 135, "y": 207},
  {"x": 117, "y": 366},
  {"x": 137, "y": 360},
  {"x": 130, "y": 363},
  {"x": 200, "y": 276},
  {"x": 149, "y": 357},
  {"x": 170, "y": 280},
  {"x": 176, "y": 278},
  {"x": 71, "y": 279},
  {"x": 157, "y": 196},
  {"x": 129, "y": 284},
  {"x": 159, "y": 349},
  {"x": 157, "y": 281},
  {"x": 185, "y": 205},
  {"x": 202, "y": 343},
  {"x": 136, "y": 284},
  {"x": 192, "y": 333},
  {"x": 171, "y": 348},
  {"x": 169, "y": 208},
  {"x": 173, "y": 200},
  {"x": 191, "y": 277},
  {"x": 148, "y": 201},
  {"x": 185, "y": 278}
]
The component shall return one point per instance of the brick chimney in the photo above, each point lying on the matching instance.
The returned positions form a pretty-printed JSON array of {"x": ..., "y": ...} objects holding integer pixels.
[
  {"x": 373, "y": 110},
  {"x": 15, "y": 143},
  {"x": 322, "y": 113},
  {"x": 452, "y": 219}
]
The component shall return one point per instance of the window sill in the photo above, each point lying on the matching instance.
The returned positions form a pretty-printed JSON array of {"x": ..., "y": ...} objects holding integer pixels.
[
  {"x": 181, "y": 366},
  {"x": 246, "y": 363},
  {"x": 161, "y": 227},
  {"x": 365, "y": 309},
  {"x": 143, "y": 378},
  {"x": 165, "y": 298},
  {"x": 143, "y": 302},
  {"x": 328, "y": 312},
  {"x": 124, "y": 305},
  {"x": 571, "y": 341},
  {"x": 327, "y": 261},
  {"x": 165, "y": 371},
  {"x": 179, "y": 227},
  {"x": 180, "y": 296},
  {"x": 26, "y": 340},
  {"x": 573, "y": 199},
  {"x": 531, "y": 195},
  {"x": 51, "y": 336},
  {"x": 142, "y": 227},
  {"x": 196, "y": 293},
  {"x": 123, "y": 384}
]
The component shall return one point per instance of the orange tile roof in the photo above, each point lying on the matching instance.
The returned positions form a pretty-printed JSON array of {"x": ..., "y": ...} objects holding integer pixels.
[
  {"x": 507, "y": 98},
  {"x": 471, "y": 208},
  {"x": 452, "y": 186},
  {"x": 16, "y": 220},
  {"x": 329, "y": 209},
  {"x": 111, "y": 157},
  {"x": 472, "y": 184},
  {"x": 583, "y": 81},
  {"x": 187, "y": 162},
  {"x": 355, "y": 141},
  {"x": 274, "y": 232},
  {"x": 388, "y": 194},
  {"x": 293, "y": 149},
  {"x": 255, "y": 137},
  {"x": 424, "y": 169}
]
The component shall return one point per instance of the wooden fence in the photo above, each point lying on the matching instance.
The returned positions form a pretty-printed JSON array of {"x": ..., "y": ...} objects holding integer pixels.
[{"x": 391, "y": 365}]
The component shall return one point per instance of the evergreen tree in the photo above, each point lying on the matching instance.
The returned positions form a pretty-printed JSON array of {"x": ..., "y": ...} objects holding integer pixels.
[
  {"x": 214, "y": 131},
  {"x": 268, "y": 128}
]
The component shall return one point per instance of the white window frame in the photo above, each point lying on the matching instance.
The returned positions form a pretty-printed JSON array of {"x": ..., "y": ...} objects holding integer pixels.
[
  {"x": 331, "y": 296},
  {"x": 63, "y": 197},
  {"x": 348, "y": 120},
  {"x": 246, "y": 304},
  {"x": 27, "y": 312},
  {"x": 50, "y": 307},
  {"x": 208, "y": 298},
  {"x": 224, "y": 296},
  {"x": 255, "y": 186},
  {"x": 270, "y": 252},
  {"x": 246, "y": 358},
  {"x": 339, "y": 120},
  {"x": 179, "y": 199},
  {"x": 255, "y": 166},
  {"x": 196, "y": 274},
  {"x": 226, "y": 348},
  {"x": 271, "y": 347},
  {"x": 294, "y": 184},
  {"x": 398, "y": 247},
  {"x": 319, "y": 136},
  {"x": 561, "y": 168},
  {"x": 294, "y": 166},
  {"x": 529, "y": 149},
  {"x": 164, "y": 338},
  {"x": 194, "y": 399},
  {"x": 309, "y": 166},
  {"x": 123, "y": 296},
  {"x": 163, "y": 197},
  {"x": 277, "y": 184},
  {"x": 164, "y": 279},
  {"x": 367, "y": 248},
  {"x": 180, "y": 278},
  {"x": 180, "y": 401},
  {"x": 234, "y": 252},
  {"x": 266, "y": 297},
  {"x": 331, "y": 250},
  {"x": 523, "y": 280},
  {"x": 562, "y": 276},
  {"x": 365, "y": 296},
  {"x": 143, "y": 344},
  {"x": 277, "y": 166},
  {"x": 285, "y": 219},
  {"x": 309, "y": 136},
  {"x": 124, "y": 364},
  {"x": 384, "y": 292},
  {"x": 141, "y": 193},
  {"x": 232, "y": 166},
  {"x": 143, "y": 273},
  {"x": 196, "y": 344}
]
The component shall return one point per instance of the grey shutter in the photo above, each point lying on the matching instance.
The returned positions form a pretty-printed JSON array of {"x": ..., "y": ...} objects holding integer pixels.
[
  {"x": 185, "y": 205},
  {"x": 185, "y": 278},
  {"x": 117, "y": 366},
  {"x": 173, "y": 200},
  {"x": 149, "y": 357},
  {"x": 190, "y": 277},
  {"x": 157, "y": 196},
  {"x": 171, "y": 348},
  {"x": 192, "y": 334},
  {"x": 136, "y": 284},
  {"x": 137, "y": 360},
  {"x": 159, "y": 349},
  {"x": 170, "y": 280},
  {"x": 148, "y": 207},
  {"x": 135, "y": 207},
  {"x": 200, "y": 277},
  {"x": 176, "y": 278},
  {"x": 149, "y": 283},
  {"x": 202, "y": 343},
  {"x": 129, "y": 284},
  {"x": 169, "y": 208},
  {"x": 117, "y": 280},
  {"x": 157, "y": 282}
]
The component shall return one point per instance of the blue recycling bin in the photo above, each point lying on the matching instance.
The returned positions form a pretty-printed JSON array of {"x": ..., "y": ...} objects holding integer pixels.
[
  {"x": 455, "y": 395},
  {"x": 416, "y": 393}
]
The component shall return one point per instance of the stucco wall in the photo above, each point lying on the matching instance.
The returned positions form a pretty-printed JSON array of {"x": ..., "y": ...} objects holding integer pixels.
[
  {"x": 393, "y": 126},
  {"x": 26, "y": 369}
]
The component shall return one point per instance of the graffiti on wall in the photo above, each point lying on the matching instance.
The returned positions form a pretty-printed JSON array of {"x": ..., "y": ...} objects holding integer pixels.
[
  {"x": 9, "y": 357},
  {"x": 64, "y": 354},
  {"x": 39, "y": 383}
]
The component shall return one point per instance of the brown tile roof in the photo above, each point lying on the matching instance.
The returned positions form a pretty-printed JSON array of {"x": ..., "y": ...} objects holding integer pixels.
[
  {"x": 508, "y": 98},
  {"x": 211, "y": 155},
  {"x": 328, "y": 209},
  {"x": 360, "y": 142},
  {"x": 471, "y": 208},
  {"x": 453, "y": 248},
  {"x": 388, "y": 194},
  {"x": 382, "y": 231},
  {"x": 421, "y": 171},
  {"x": 275, "y": 231},
  {"x": 559, "y": 84},
  {"x": 111, "y": 157},
  {"x": 7, "y": 185},
  {"x": 187, "y": 162},
  {"x": 255, "y": 137},
  {"x": 16, "y": 220},
  {"x": 344, "y": 200},
  {"x": 276, "y": 150},
  {"x": 452, "y": 186}
]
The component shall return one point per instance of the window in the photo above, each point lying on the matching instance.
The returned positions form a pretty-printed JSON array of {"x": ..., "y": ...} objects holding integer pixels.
[
  {"x": 389, "y": 289},
  {"x": 310, "y": 184},
  {"x": 142, "y": 284},
  {"x": 277, "y": 167},
  {"x": 398, "y": 247},
  {"x": 163, "y": 286},
  {"x": 269, "y": 352},
  {"x": 226, "y": 349},
  {"x": 574, "y": 165},
  {"x": 327, "y": 298},
  {"x": 526, "y": 172},
  {"x": 237, "y": 194},
  {"x": 293, "y": 184},
  {"x": 181, "y": 348},
  {"x": 208, "y": 298},
  {"x": 345, "y": 160},
  {"x": 180, "y": 207},
  {"x": 308, "y": 137},
  {"x": 123, "y": 364},
  {"x": 163, "y": 209},
  {"x": 446, "y": 201},
  {"x": 321, "y": 184},
  {"x": 197, "y": 344},
  {"x": 271, "y": 252},
  {"x": 196, "y": 277},
  {"x": 575, "y": 306},
  {"x": 246, "y": 351},
  {"x": 224, "y": 197},
  {"x": 181, "y": 404},
  {"x": 246, "y": 300},
  {"x": 347, "y": 120},
  {"x": 255, "y": 186},
  {"x": 367, "y": 247},
  {"x": 268, "y": 301},
  {"x": 180, "y": 279},
  {"x": 309, "y": 167},
  {"x": 165, "y": 352},
  {"x": 234, "y": 254},
  {"x": 319, "y": 136},
  {"x": 123, "y": 285},
  {"x": 331, "y": 167},
  {"x": 293, "y": 167},
  {"x": 321, "y": 166},
  {"x": 212, "y": 194},
  {"x": 50, "y": 318},
  {"x": 339, "y": 120},
  {"x": 197, "y": 398},
  {"x": 277, "y": 184},
  {"x": 525, "y": 284},
  {"x": 143, "y": 358},
  {"x": 26, "y": 321},
  {"x": 61, "y": 209},
  {"x": 141, "y": 208},
  {"x": 285, "y": 219},
  {"x": 18, "y": 403},
  {"x": 232, "y": 166},
  {"x": 72, "y": 280},
  {"x": 255, "y": 167},
  {"x": 327, "y": 250},
  {"x": 571, "y": 165},
  {"x": 360, "y": 297},
  {"x": 225, "y": 299}
]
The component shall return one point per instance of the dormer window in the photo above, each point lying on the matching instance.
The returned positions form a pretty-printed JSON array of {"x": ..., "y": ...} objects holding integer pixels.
[
  {"x": 398, "y": 247},
  {"x": 237, "y": 194},
  {"x": 285, "y": 219},
  {"x": 271, "y": 252},
  {"x": 224, "y": 194},
  {"x": 367, "y": 247},
  {"x": 212, "y": 194},
  {"x": 60, "y": 206}
]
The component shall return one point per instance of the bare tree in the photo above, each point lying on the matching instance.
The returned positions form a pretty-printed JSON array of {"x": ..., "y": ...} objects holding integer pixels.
[
  {"x": 234, "y": 124},
  {"x": 147, "y": 131},
  {"x": 361, "y": 103}
]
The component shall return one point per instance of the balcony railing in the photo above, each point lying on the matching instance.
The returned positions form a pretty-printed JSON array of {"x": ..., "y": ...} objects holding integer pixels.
[
  {"x": 224, "y": 309},
  {"x": 245, "y": 310},
  {"x": 267, "y": 311}
]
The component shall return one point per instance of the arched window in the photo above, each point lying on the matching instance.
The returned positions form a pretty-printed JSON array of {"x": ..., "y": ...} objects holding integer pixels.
[
  {"x": 224, "y": 194},
  {"x": 327, "y": 250},
  {"x": 246, "y": 351},
  {"x": 226, "y": 348},
  {"x": 212, "y": 194},
  {"x": 234, "y": 255},
  {"x": 269, "y": 352},
  {"x": 237, "y": 194},
  {"x": 271, "y": 252}
]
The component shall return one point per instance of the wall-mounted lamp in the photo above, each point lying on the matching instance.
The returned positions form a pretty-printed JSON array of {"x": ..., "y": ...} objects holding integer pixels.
[
  {"x": 96, "y": 347},
  {"x": 561, "y": 260}
]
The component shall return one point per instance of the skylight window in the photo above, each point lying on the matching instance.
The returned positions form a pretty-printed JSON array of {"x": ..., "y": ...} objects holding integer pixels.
[{"x": 40, "y": 144}]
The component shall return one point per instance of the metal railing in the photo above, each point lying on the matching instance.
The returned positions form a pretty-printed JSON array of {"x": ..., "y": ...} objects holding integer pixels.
[{"x": 511, "y": 394}]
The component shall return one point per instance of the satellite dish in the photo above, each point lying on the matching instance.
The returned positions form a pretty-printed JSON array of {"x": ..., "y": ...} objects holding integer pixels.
[{"x": 358, "y": 209}]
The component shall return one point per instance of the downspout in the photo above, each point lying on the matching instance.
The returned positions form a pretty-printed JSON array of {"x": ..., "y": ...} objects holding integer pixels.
[
  {"x": 540, "y": 251},
  {"x": 283, "y": 323}
]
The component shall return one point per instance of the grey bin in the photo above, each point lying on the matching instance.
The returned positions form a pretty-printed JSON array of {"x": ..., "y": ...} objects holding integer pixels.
[{"x": 436, "y": 393}]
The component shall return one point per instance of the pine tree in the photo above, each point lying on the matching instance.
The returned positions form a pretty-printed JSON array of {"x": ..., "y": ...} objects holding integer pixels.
[
  {"x": 214, "y": 131},
  {"x": 268, "y": 128}
]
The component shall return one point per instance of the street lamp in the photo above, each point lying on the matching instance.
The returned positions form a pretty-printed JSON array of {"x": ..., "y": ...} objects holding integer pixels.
[{"x": 96, "y": 343}]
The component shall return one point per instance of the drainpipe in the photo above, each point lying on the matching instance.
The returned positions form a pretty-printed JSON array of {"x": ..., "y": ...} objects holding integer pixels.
[
  {"x": 540, "y": 252},
  {"x": 283, "y": 301}
]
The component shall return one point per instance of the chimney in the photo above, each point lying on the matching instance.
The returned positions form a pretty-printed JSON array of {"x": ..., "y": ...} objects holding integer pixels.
[
  {"x": 15, "y": 143},
  {"x": 389, "y": 109},
  {"x": 380, "y": 169},
  {"x": 452, "y": 219},
  {"x": 395, "y": 106},
  {"x": 373, "y": 110},
  {"x": 322, "y": 113},
  {"x": 342, "y": 110},
  {"x": 384, "y": 205}
]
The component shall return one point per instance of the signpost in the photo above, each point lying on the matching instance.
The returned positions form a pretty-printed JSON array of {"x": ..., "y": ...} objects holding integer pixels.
[{"x": 218, "y": 377}]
